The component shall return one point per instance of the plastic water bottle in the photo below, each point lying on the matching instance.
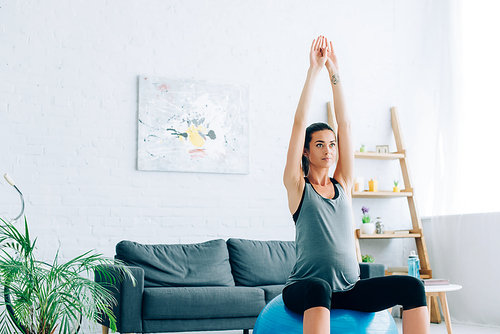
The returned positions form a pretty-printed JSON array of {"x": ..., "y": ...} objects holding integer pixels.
[{"x": 413, "y": 265}]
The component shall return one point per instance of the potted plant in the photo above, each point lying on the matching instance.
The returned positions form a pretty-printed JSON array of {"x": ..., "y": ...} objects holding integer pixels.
[
  {"x": 396, "y": 188},
  {"x": 367, "y": 258},
  {"x": 368, "y": 227},
  {"x": 40, "y": 298}
]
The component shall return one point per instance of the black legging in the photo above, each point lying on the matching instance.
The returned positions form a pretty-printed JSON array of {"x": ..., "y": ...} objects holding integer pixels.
[{"x": 368, "y": 295}]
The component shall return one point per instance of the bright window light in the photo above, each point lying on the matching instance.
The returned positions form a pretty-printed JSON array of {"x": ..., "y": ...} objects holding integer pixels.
[{"x": 479, "y": 151}]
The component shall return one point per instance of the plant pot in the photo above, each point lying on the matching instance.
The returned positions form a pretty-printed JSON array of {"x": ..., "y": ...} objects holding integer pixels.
[
  {"x": 396, "y": 189},
  {"x": 368, "y": 228}
]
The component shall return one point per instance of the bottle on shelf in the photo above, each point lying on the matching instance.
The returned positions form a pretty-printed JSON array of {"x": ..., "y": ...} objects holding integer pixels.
[
  {"x": 413, "y": 265},
  {"x": 380, "y": 229}
]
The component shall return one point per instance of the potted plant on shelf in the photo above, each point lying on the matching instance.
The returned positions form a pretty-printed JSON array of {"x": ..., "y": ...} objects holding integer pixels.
[
  {"x": 40, "y": 298},
  {"x": 396, "y": 187},
  {"x": 368, "y": 227}
]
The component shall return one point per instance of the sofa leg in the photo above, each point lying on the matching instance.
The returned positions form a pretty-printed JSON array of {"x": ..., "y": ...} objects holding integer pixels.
[
  {"x": 105, "y": 330},
  {"x": 246, "y": 331}
]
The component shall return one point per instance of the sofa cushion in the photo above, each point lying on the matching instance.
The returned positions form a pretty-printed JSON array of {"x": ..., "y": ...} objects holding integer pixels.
[
  {"x": 203, "y": 264},
  {"x": 202, "y": 302},
  {"x": 257, "y": 263},
  {"x": 272, "y": 291}
]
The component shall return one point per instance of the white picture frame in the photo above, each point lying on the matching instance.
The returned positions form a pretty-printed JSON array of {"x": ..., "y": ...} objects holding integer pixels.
[{"x": 382, "y": 148}]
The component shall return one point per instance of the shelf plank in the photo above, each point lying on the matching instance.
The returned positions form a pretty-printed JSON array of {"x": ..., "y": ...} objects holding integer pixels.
[
  {"x": 379, "y": 156},
  {"x": 412, "y": 234},
  {"x": 381, "y": 194}
]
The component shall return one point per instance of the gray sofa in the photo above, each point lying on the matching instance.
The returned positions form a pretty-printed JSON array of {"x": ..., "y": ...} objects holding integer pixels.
[{"x": 214, "y": 285}]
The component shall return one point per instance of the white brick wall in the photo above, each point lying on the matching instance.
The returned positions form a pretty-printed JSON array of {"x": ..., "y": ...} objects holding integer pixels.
[{"x": 68, "y": 107}]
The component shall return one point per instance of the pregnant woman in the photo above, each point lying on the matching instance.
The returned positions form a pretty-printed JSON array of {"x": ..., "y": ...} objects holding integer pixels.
[{"x": 326, "y": 273}]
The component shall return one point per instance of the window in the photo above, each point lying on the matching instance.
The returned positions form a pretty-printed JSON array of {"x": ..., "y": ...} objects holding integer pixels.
[{"x": 479, "y": 136}]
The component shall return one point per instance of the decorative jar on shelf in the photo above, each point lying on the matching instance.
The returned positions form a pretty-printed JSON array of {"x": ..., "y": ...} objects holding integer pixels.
[
  {"x": 359, "y": 183},
  {"x": 379, "y": 225}
]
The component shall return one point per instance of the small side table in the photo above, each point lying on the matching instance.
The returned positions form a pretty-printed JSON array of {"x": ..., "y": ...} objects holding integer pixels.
[{"x": 440, "y": 291}]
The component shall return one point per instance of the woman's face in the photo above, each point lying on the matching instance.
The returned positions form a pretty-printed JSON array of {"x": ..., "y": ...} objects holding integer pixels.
[{"x": 322, "y": 149}]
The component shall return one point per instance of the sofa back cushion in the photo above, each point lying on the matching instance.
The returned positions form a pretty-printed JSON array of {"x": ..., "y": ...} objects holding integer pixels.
[
  {"x": 203, "y": 264},
  {"x": 256, "y": 263}
]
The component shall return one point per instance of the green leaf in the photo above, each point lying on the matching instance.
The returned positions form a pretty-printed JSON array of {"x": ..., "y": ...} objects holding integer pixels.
[{"x": 46, "y": 299}]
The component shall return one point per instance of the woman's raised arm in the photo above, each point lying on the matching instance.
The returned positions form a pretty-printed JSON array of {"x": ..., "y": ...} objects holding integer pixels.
[
  {"x": 344, "y": 172},
  {"x": 292, "y": 176}
]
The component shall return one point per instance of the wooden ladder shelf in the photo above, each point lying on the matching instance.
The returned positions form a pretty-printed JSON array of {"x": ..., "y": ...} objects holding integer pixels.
[{"x": 417, "y": 231}]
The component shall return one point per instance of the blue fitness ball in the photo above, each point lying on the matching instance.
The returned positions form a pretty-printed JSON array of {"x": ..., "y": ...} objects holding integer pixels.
[{"x": 275, "y": 318}]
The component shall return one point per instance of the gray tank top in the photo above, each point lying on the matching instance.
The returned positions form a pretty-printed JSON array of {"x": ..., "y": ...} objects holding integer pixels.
[{"x": 324, "y": 240}]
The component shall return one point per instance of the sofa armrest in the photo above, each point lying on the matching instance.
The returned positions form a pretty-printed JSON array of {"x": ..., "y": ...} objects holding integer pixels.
[
  {"x": 370, "y": 270},
  {"x": 128, "y": 311}
]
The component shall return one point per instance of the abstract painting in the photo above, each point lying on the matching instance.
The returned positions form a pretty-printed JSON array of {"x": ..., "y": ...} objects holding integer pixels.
[{"x": 192, "y": 126}]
